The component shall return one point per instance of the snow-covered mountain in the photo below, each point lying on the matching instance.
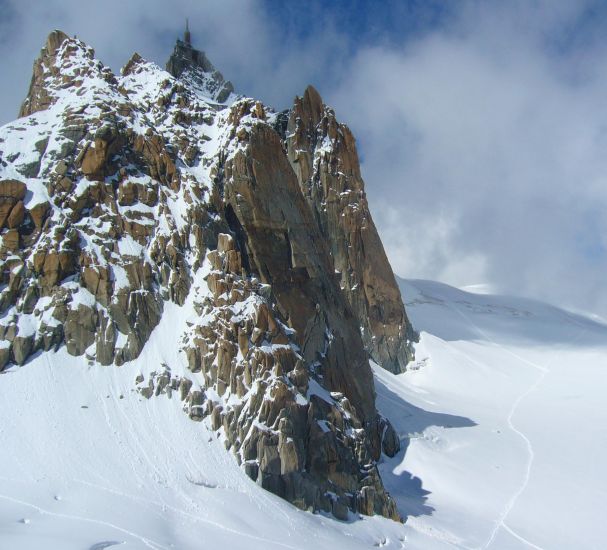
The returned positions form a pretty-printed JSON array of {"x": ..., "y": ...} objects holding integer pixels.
[
  {"x": 501, "y": 419},
  {"x": 192, "y": 291},
  {"x": 161, "y": 199}
]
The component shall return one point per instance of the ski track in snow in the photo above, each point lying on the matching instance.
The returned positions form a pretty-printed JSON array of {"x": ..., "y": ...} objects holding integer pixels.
[
  {"x": 161, "y": 478},
  {"x": 148, "y": 542},
  {"x": 162, "y": 505},
  {"x": 543, "y": 370}
]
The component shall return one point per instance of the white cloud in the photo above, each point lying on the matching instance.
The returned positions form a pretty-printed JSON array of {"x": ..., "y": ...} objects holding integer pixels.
[
  {"x": 240, "y": 37},
  {"x": 483, "y": 139},
  {"x": 485, "y": 160}
]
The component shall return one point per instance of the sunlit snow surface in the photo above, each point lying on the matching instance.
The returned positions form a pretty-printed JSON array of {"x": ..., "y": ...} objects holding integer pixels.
[
  {"x": 508, "y": 423},
  {"x": 504, "y": 410}
]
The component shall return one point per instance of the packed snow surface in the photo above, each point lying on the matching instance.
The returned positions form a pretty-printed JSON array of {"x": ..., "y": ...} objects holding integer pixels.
[{"x": 502, "y": 418}]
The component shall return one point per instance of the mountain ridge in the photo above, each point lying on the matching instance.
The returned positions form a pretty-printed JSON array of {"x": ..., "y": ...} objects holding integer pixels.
[{"x": 122, "y": 194}]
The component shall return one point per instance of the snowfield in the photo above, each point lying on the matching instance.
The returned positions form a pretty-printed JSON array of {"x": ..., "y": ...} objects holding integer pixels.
[
  {"x": 502, "y": 417},
  {"x": 507, "y": 421}
]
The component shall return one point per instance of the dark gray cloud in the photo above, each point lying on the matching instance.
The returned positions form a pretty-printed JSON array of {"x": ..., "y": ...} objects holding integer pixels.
[{"x": 482, "y": 134}]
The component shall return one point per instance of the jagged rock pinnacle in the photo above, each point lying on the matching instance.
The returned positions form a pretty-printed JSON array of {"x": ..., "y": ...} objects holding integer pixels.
[
  {"x": 323, "y": 156},
  {"x": 55, "y": 71},
  {"x": 37, "y": 97},
  {"x": 191, "y": 64}
]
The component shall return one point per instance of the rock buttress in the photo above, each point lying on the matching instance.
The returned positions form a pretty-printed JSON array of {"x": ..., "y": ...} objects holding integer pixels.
[
  {"x": 323, "y": 155},
  {"x": 283, "y": 246}
]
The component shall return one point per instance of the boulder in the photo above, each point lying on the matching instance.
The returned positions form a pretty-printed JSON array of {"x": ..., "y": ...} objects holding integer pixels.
[
  {"x": 12, "y": 189},
  {"x": 22, "y": 347},
  {"x": 11, "y": 240},
  {"x": 39, "y": 213},
  {"x": 80, "y": 329},
  {"x": 96, "y": 159},
  {"x": 390, "y": 441},
  {"x": 15, "y": 218},
  {"x": 225, "y": 242},
  {"x": 12, "y": 193}
]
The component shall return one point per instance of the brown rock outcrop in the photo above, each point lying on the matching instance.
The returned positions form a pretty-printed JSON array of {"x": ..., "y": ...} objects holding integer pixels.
[
  {"x": 38, "y": 97},
  {"x": 96, "y": 157},
  {"x": 323, "y": 155},
  {"x": 285, "y": 247},
  {"x": 12, "y": 193},
  {"x": 299, "y": 445}
]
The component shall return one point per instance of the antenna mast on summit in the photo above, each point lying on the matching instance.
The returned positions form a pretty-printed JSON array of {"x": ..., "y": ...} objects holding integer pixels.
[{"x": 187, "y": 37}]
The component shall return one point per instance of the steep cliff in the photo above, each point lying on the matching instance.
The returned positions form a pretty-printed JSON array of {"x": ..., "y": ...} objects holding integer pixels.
[
  {"x": 123, "y": 195},
  {"x": 323, "y": 155}
]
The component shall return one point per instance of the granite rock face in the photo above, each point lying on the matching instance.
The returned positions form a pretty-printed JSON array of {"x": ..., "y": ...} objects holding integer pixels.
[
  {"x": 286, "y": 249},
  {"x": 323, "y": 155},
  {"x": 126, "y": 199}
]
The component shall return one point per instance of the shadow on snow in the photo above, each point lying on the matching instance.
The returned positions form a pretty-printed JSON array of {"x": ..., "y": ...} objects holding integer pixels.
[{"x": 409, "y": 421}]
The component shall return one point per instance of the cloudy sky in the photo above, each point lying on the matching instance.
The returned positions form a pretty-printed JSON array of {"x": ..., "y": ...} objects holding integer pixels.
[{"x": 482, "y": 125}]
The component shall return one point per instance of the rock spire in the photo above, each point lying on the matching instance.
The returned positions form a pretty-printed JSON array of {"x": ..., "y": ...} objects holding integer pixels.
[
  {"x": 323, "y": 155},
  {"x": 187, "y": 37},
  {"x": 192, "y": 65}
]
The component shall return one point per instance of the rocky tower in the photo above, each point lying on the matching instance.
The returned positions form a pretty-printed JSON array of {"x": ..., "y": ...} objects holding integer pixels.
[
  {"x": 323, "y": 155},
  {"x": 126, "y": 200},
  {"x": 194, "y": 67}
]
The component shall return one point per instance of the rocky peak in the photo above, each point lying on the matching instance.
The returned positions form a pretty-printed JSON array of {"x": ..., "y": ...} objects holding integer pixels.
[
  {"x": 323, "y": 155},
  {"x": 139, "y": 212},
  {"x": 193, "y": 66},
  {"x": 64, "y": 66}
]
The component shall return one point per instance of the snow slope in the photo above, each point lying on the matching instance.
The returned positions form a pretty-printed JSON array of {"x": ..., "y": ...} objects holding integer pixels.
[
  {"x": 88, "y": 463},
  {"x": 504, "y": 412},
  {"x": 83, "y": 468},
  {"x": 507, "y": 422}
]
